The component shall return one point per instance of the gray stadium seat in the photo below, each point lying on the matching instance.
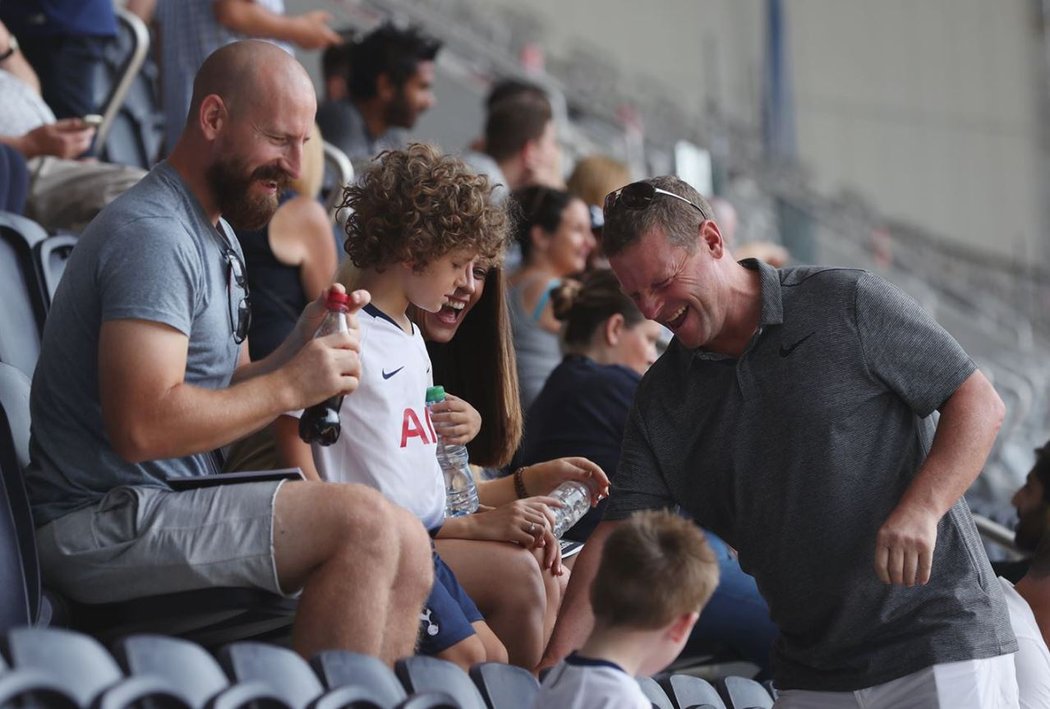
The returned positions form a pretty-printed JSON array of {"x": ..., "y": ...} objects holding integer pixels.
[
  {"x": 49, "y": 258},
  {"x": 85, "y": 670},
  {"x": 22, "y": 303},
  {"x": 744, "y": 693},
  {"x": 505, "y": 686},
  {"x": 192, "y": 669},
  {"x": 429, "y": 700},
  {"x": 341, "y": 668},
  {"x": 420, "y": 673},
  {"x": 652, "y": 689},
  {"x": 289, "y": 676},
  {"x": 686, "y": 691}
]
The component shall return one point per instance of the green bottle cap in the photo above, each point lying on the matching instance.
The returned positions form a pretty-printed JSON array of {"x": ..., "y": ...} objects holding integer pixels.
[{"x": 435, "y": 393}]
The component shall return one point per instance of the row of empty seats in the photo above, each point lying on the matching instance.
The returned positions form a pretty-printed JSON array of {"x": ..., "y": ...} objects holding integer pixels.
[{"x": 62, "y": 668}]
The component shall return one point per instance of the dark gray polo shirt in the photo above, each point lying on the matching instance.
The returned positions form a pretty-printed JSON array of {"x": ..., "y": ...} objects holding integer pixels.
[{"x": 796, "y": 453}]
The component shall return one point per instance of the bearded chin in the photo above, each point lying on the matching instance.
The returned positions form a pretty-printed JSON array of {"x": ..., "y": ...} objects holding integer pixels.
[
  {"x": 248, "y": 212},
  {"x": 237, "y": 204}
]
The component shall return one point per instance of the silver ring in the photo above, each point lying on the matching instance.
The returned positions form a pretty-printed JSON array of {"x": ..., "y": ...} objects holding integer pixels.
[{"x": 532, "y": 527}]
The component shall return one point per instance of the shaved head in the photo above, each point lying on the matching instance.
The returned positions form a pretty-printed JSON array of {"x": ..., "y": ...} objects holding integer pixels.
[{"x": 246, "y": 74}]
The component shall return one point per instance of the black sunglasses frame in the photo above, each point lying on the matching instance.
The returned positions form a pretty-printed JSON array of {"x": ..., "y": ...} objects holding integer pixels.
[
  {"x": 236, "y": 274},
  {"x": 639, "y": 195}
]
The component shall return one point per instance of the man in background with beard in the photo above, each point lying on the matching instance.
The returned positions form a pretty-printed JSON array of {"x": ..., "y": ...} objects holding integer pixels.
[
  {"x": 390, "y": 85},
  {"x": 144, "y": 374}
]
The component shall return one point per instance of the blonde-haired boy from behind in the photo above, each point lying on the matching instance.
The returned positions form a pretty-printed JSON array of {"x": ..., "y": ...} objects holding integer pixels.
[{"x": 655, "y": 575}]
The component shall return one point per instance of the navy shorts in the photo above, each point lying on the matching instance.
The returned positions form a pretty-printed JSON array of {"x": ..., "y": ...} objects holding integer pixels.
[{"x": 446, "y": 618}]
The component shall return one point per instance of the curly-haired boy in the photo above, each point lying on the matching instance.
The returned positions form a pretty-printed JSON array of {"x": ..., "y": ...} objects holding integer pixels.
[{"x": 420, "y": 223}]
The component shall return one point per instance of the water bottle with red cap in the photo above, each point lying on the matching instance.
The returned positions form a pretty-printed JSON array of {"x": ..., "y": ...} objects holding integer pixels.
[{"x": 320, "y": 422}]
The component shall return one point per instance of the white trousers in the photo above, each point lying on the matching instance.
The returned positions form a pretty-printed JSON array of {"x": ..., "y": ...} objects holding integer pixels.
[{"x": 989, "y": 683}]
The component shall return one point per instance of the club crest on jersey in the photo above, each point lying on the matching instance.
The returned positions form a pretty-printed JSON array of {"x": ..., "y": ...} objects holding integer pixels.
[{"x": 412, "y": 427}]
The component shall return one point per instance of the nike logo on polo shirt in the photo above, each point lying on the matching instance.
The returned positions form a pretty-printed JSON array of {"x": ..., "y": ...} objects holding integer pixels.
[
  {"x": 785, "y": 351},
  {"x": 387, "y": 375}
]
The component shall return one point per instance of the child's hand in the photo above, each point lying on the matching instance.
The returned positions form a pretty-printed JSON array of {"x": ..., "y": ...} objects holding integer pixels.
[{"x": 455, "y": 420}]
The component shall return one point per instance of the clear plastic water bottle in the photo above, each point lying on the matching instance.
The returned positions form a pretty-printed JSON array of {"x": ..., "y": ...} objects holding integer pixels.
[
  {"x": 461, "y": 494},
  {"x": 320, "y": 422},
  {"x": 575, "y": 497}
]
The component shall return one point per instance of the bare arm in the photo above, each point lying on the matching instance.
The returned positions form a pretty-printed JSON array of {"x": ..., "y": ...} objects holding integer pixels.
[
  {"x": 16, "y": 63},
  {"x": 542, "y": 478},
  {"x": 309, "y": 30},
  {"x": 576, "y": 618},
  {"x": 67, "y": 138},
  {"x": 301, "y": 235},
  {"x": 150, "y": 412},
  {"x": 970, "y": 420}
]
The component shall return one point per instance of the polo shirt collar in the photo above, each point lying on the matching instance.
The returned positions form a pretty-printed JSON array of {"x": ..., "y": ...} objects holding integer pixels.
[
  {"x": 769, "y": 282},
  {"x": 772, "y": 305}
]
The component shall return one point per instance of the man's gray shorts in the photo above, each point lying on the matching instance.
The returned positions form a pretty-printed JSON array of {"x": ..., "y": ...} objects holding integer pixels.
[{"x": 144, "y": 541}]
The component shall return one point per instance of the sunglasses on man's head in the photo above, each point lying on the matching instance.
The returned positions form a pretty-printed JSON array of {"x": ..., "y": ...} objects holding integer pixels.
[
  {"x": 639, "y": 195},
  {"x": 242, "y": 320}
]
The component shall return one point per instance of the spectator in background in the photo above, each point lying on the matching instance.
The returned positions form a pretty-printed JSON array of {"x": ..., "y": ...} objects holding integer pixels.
[
  {"x": 1029, "y": 605},
  {"x": 390, "y": 86},
  {"x": 655, "y": 576},
  {"x": 193, "y": 29},
  {"x": 595, "y": 176},
  {"x": 791, "y": 414},
  {"x": 592, "y": 178},
  {"x": 64, "y": 41},
  {"x": 335, "y": 71},
  {"x": 554, "y": 234},
  {"x": 143, "y": 373},
  {"x": 63, "y": 193},
  {"x": 520, "y": 146},
  {"x": 725, "y": 214},
  {"x": 1032, "y": 502}
]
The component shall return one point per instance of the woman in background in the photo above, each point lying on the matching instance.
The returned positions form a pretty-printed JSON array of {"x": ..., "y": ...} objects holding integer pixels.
[{"x": 554, "y": 232}]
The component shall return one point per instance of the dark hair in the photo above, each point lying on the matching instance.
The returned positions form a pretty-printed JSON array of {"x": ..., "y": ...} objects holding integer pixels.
[
  {"x": 335, "y": 60},
  {"x": 416, "y": 205},
  {"x": 483, "y": 344},
  {"x": 1041, "y": 468},
  {"x": 510, "y": 88},
  {"x": 655, "y": 566},
  {"x": 537, "y": 206},
  {"x": 515, "y": 120},
  {"x": 585, "y": 304},
  {"x": 388, "y": 50},
  {"x": 680, "y": 221}
]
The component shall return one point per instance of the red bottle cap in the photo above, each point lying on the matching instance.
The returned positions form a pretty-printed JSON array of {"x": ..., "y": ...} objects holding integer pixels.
[{"x": 337, "y": 298}]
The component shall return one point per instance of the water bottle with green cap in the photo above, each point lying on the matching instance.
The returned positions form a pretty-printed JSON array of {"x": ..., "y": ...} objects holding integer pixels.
[{"x": 461, "y": 494}]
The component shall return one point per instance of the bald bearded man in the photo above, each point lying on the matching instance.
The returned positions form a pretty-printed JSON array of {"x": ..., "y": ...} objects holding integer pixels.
[{"x": 144, "y": 373}]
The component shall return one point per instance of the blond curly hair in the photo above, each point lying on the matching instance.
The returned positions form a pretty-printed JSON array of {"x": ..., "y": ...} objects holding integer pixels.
[{"x": 416, "y": 205}]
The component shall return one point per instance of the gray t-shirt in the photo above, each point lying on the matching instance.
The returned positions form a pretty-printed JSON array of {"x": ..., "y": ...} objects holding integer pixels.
[
  {"x": 797, "y": 452},
  {"x": 150, "y": 255}
]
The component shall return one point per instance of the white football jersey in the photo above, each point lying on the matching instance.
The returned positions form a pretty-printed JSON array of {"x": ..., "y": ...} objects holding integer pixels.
[{"x": 387, "y": 440}]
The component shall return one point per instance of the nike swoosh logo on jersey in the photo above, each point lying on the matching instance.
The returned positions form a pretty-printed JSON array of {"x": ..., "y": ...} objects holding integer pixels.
[
  {"x": 387, "y": 375},
  {"x": 785, "y": 351}
]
